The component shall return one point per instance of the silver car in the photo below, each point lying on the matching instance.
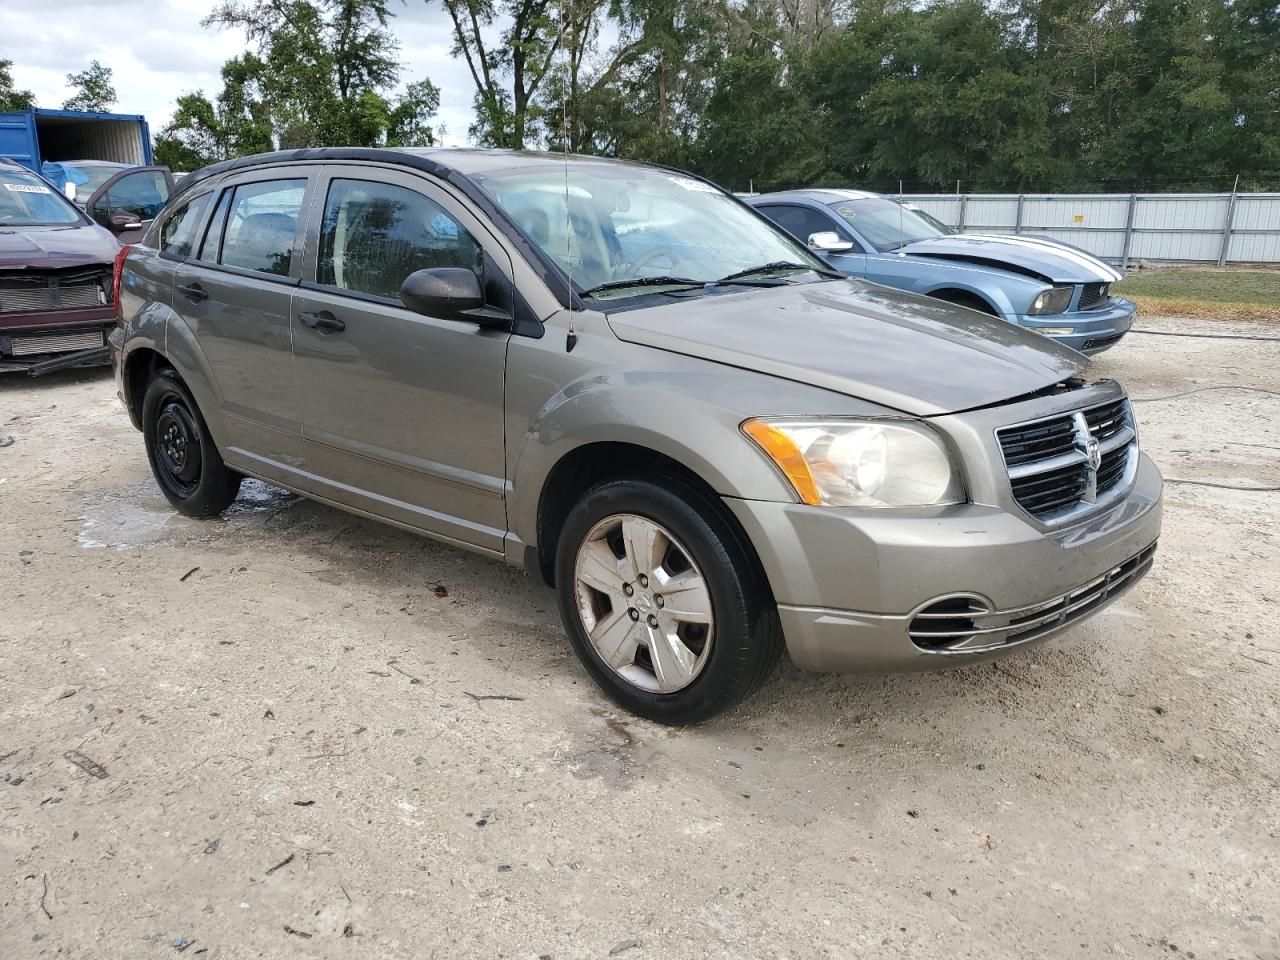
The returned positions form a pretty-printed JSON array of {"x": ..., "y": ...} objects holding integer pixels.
[{"x": 627, "y": 381}]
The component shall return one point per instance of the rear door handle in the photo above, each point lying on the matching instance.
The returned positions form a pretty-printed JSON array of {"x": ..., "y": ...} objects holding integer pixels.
[
  {"x": 322, "y": 320},
  {"x": 194, "y": 292}
]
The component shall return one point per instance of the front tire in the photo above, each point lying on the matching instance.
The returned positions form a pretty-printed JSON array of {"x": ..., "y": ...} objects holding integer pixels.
[
  {"x": 184, "y": 459},
  {"x": 663, "y": 601}
]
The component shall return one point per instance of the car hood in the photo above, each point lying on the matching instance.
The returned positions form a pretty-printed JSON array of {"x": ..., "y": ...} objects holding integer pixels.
[
  {"x": 55, "y": 248},
  {"x": 1034, "y": 256},
  {"x": 912, "y": 353}
]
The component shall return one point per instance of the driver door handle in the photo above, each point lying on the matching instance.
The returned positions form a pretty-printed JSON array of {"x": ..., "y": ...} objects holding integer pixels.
[
  {"x": 322, "y": 320},
  {"x": 194, "y": 292}
]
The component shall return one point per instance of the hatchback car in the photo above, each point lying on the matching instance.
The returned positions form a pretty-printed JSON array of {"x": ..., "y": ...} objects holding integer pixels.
[
  {"x": 630, "y": 383},
  {"x": 1038, "y": 283}
]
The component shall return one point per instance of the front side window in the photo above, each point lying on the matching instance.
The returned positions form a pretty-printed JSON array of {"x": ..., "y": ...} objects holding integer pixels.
[
  {"x": 376, "y": 234},
  {"x": 887, "y": 224},
  {"x": 179, "y": 229},
  {"x": 609, "y": 223},
  {"x": 141, "y": 195},
  {"x": 27, "y": 201},
  {"x": 261, "y": 224},
  {"x": 800, "y": 222}
]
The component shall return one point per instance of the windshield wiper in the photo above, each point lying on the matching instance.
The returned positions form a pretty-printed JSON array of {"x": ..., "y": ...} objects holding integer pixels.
[
  {"x": 777, "y": 267},
  {"x": 644, "y": 282}
]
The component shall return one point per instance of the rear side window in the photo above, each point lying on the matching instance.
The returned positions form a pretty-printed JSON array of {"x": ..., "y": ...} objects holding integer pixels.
[
  {"x": 258, "y": 227},
  {"x": 376, "y": 234},
  {"x": 178, "y": 232},
  {"x": 141, "y": 194}
]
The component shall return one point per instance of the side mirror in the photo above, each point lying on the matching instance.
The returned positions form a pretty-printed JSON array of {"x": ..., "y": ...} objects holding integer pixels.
[
  {"x": 444, "y": 292},
  {"x": 120, "y": 222},
  {"x": 828, "y": 241}
]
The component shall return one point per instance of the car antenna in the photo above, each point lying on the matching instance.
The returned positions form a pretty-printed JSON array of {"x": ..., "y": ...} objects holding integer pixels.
[
  {"x": 571, "y": 340},
  {"x": 902, "y": 234}
]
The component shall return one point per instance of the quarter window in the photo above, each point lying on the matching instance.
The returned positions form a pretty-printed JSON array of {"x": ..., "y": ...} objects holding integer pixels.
[
  {"x": 376, "y": 234},
  {"x": 178, "y": 232},
  {"x": 261, "y": 221}
]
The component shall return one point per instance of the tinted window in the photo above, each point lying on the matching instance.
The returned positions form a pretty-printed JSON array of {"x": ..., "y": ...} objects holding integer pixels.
[
  {"x": 140, "y": 194},
  {"x": 211, "y": 246},
  {"x": 179, "y": 229},
  {"x": 260, "y": 226},
  {"x": 374, "y": 235},
  {"x": 800, "y": 222}
]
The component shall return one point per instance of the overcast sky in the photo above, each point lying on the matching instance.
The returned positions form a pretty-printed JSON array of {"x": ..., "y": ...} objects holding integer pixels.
[{"x": 158, "y": 51}]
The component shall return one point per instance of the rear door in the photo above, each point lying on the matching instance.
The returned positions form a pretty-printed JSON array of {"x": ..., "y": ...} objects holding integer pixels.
[
  {"x": 402, "y": 413},
  {"x": 235, "y": 294},
  {"x": 138, "y": 192}
]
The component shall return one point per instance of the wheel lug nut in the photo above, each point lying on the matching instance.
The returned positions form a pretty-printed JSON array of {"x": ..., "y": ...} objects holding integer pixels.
[
  {"x": 644, "y": 581},
  {"x": 633, "y": 613},
  {"x": 628, "y": 589},
  {"x": 661, "y": 602},
  {"x": 653, "y": 621}
]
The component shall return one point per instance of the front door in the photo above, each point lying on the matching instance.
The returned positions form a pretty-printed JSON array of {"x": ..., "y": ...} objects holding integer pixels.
[
  {"x": 402, "y": 413},
  {"x": 236, "y": 295},
  {"x": 138, "y": 193}
]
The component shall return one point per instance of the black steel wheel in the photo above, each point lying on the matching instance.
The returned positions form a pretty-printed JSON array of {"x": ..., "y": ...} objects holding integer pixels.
[{"x": 184, "y": 459}]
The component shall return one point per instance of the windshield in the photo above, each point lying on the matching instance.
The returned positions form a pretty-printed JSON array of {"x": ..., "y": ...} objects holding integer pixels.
[
  {"x": 637, "y": 224},
  {"x": 887, "y": 224},
  {"x": 27, "y": 201}
]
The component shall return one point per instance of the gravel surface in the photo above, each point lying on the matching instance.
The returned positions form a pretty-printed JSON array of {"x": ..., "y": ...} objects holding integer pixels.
[{"x": 294, "y": 733}]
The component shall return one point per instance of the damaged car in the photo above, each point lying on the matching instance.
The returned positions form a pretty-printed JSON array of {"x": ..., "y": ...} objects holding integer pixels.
[
  {"x": 55, "y": 275},
  {"x": 1040, "y": 284}
]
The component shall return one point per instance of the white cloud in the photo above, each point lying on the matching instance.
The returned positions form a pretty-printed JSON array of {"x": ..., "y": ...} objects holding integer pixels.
[{"x": 157, "y": 51}]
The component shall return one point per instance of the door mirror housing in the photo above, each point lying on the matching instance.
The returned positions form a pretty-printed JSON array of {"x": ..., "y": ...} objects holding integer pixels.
[
  {"x": 449, "y": 293},
  {"x": 121, "y": 221},
  {"x": 828, "y": 241}
]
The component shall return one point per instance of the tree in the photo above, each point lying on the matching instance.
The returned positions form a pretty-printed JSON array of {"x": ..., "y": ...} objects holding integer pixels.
[
  {"x": 236, "y": 124},
  {"x": 11, "y": 98},
  {"x": 323, "y": 68},
  {"x": 409, "y": 124},
  {"x": 94, "y": 92}
]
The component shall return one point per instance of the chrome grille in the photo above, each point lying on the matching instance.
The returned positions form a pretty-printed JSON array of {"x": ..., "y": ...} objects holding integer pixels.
[
  {"x": 970, "y": 625},
  {"x": 33, "y": 293},
  {"x": 1093, "y": 295},
  {"x": 55, "y": 343},
  {"x": 1064, "y": 464}
]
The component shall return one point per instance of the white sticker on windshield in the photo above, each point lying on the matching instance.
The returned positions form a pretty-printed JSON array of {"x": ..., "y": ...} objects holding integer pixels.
[
  {"x": 695, "y": 185},
  {"x": 26, "y": 188}
]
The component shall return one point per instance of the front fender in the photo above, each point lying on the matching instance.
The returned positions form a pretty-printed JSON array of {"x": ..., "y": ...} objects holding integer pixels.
[{"x": 683, "y": 408}]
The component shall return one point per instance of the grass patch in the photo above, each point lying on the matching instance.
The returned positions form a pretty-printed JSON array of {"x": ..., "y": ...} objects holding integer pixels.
[{"x": 1225, "y": 294}]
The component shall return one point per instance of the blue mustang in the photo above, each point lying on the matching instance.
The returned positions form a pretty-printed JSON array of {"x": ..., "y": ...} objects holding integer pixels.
[{"x": 1053, "y": 288}]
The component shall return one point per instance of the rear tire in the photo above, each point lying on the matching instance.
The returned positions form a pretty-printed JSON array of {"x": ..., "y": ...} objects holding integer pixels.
[
  {"x": 184, "y": 459},
  {"x": 663, "y": 600}
]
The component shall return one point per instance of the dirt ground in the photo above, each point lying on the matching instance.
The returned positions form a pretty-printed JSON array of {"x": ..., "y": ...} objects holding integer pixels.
[{"x": 271, "y": 735}]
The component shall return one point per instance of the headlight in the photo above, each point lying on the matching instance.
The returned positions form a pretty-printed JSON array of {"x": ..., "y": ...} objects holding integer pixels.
[
  {"x": 1053, "y": 300},
  {"x": 850, "y": 463}
]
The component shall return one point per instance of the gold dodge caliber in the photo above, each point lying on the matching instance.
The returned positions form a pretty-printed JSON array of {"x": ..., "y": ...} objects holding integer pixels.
[{"x": 626, "y": 380}]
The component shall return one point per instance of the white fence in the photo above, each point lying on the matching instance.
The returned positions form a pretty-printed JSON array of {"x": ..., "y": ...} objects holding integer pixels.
[{"x": 1191, "y": 227}]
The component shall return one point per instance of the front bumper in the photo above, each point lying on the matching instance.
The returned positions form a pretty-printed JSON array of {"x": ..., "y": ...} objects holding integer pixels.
[
  {"x": 1092, "y": 330},
  {"x": 849, "y": 584}
]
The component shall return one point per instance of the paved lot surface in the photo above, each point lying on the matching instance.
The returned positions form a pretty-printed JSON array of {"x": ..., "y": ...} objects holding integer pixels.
[{"x": 295, "y": 757}]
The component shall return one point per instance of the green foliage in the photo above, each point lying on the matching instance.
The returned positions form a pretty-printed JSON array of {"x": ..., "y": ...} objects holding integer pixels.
[
  {"x": 94, "y": 91},
  {"x": 11, "y": 98}
]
